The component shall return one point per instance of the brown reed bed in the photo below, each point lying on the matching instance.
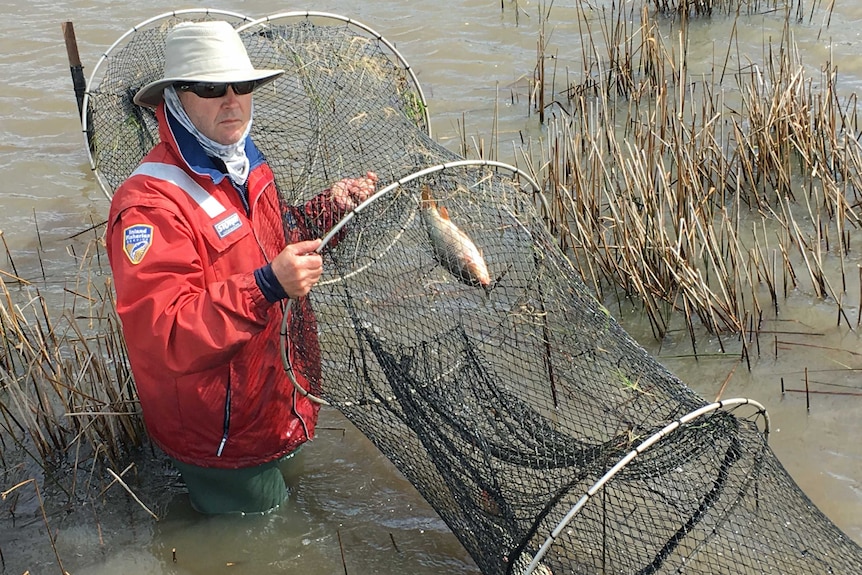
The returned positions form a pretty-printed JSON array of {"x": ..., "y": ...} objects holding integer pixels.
[
  {"x": 706, "y": 197},
  {"x": 69, "y": 412},
  {"x": 66, "y": 393},
  {"x": 797, "y": 9}
]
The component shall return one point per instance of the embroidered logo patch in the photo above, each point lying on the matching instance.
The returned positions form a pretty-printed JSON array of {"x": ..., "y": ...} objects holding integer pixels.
[
  {"x": 137, "y": 240},
  {"x": 230, "y": 224}
]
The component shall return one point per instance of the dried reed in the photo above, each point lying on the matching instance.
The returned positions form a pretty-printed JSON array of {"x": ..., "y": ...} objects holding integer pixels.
[
  {"x": 708, "y": 195},
  {"x": 65, "y": 379}
]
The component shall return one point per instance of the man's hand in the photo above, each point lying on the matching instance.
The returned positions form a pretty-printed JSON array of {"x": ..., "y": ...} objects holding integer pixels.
[
  {"x": 297, "y": 267},
  {"x": 350, "y": 192}
]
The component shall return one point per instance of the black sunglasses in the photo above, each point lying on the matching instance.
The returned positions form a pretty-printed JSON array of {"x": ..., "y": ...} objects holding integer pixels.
[{"x": 214, "y": 90}]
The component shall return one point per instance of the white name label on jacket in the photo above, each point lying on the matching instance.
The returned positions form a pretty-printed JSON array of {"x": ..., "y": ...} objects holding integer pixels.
[{"x": 230, "y": 224}]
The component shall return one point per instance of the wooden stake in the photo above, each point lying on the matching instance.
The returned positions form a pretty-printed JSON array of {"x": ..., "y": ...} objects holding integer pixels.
[{"x": 78, "y": 81}]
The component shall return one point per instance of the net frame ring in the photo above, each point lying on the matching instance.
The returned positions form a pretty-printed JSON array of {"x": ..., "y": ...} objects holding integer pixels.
[
  {"x": 727, "y": 404},
  {"x": 97, "y": 76},
  {"x": 350, "y": 22},
  {"x": 283, "y": 332}
]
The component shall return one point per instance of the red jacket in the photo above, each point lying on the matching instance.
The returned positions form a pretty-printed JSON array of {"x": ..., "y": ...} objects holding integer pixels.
[{"x": 203, "y": 341}]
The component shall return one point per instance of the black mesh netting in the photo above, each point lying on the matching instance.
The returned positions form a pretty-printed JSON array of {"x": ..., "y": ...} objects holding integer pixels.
[{"x": 504, "y": 404}]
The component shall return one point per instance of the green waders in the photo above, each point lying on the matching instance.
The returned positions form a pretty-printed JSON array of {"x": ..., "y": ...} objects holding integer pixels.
[{"x": 246, "y": 490}]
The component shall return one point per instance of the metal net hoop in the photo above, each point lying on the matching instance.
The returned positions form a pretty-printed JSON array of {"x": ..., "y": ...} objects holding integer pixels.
[
  {"x": 348, "y": 100},
  {"x": 118, "y": 133},
  {"x": 395, "y": 232},
  {"x": 261, "y": 25},
  {"x": 690, "y": 418}
]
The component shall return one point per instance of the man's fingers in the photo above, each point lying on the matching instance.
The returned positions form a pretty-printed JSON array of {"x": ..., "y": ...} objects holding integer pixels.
[
  {"x": 305, "y": 247},
  {"x": 298, "y": 267}
]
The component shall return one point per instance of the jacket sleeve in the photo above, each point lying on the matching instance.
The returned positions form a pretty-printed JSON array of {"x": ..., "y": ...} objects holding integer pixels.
[{"x": 170, "y": 313}]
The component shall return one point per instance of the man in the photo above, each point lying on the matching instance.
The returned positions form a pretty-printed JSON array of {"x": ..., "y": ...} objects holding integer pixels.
[{"x": 201, "y": 265}]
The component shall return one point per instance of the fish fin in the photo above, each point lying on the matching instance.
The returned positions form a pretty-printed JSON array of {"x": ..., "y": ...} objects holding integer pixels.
[
  {"x": 444, "y": 213},
  {"x": 427, "y": 200}
]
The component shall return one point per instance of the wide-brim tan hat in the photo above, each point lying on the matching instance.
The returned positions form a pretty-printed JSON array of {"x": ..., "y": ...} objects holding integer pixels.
[{"x": 210, "y": 51}]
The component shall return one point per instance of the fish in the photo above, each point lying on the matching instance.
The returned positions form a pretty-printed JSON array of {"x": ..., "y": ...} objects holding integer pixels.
[{"x": 453, "y": 249}]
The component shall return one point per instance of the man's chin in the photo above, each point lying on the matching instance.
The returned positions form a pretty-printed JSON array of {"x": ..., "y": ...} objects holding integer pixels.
[{"x": 230, "y": 133}]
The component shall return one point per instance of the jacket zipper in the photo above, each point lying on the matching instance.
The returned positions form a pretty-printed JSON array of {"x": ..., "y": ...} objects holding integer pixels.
[{"x": 226, "y": 424}]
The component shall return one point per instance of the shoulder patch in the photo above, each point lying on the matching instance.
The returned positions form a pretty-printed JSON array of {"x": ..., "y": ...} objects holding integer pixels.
[{"x": 137, "y": 240}]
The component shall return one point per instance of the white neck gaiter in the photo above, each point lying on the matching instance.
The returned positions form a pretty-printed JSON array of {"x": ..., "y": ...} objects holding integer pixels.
[{"x": 233, "y": 155}]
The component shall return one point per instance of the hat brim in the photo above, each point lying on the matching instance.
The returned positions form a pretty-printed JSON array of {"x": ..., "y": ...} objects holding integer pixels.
[{"x": 151, "y": 94}]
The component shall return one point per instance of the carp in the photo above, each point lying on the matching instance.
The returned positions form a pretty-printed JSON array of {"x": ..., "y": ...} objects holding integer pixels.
[{"x": 452, "y": 248}]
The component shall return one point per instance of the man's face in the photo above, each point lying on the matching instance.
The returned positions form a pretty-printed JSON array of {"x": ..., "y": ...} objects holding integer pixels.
[{"x": 222, "y": 120}]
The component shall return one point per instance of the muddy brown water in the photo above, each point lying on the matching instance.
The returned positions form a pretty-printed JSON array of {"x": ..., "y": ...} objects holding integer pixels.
[{"x": 472, "y": 59}]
